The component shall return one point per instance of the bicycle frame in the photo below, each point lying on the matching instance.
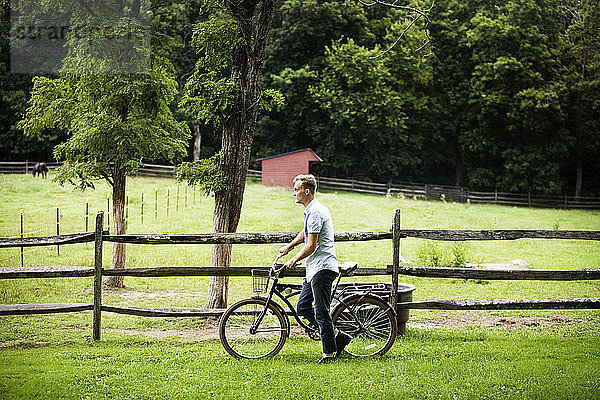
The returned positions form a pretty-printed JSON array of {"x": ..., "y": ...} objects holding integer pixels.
[{"x": 277, "y": 288}]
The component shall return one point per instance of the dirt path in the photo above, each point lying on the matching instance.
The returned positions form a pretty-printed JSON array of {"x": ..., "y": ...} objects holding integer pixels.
[{"x": 457, "y": 320}]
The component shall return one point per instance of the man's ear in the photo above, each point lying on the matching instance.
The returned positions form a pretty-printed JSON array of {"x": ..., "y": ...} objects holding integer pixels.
[{"x": 307, "y": 191}]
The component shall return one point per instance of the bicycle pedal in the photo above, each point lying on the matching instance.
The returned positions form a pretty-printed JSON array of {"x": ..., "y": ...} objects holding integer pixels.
[{"x": 314, "y": 335}]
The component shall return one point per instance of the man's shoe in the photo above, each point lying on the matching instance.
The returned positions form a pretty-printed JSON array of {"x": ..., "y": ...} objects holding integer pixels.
[
  {"x": 341, "y": 341},
  {"x": 326, "y": 360}
]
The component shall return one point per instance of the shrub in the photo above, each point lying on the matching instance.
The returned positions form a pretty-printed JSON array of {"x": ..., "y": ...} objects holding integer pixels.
[{"x": 436, "y": 254}]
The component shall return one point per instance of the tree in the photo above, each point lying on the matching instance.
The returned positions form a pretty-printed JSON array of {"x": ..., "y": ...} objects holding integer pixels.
[
  {"x": 364, "y": 114},
  {"x": 14, "y": 93},
  {"x": 112, "y": 96},
  {"x": 226, "y": 89},
  {"x": 581, "y": 61},
  {"x": 302, "y": 29},
  {"x": 356, "y": 90},
  {"x": 452, "y": 70},
  {"x": 516, "y": 132}
]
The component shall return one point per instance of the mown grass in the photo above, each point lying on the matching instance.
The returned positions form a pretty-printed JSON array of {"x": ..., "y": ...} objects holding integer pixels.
[
  {"x": 469, "y": 364},
  {"x": 54, "y": 355}
]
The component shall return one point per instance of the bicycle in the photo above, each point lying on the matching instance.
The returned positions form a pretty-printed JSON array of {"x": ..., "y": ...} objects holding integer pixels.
[{"x": 258, "y": 326}]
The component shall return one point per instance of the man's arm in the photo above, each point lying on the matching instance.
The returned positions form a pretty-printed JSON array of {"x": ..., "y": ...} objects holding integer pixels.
[
  {"x": 307, "y": 250},
  {"x": 297, "y": 240}
]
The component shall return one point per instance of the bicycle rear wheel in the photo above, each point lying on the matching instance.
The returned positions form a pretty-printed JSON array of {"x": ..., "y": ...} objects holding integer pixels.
[
  {"x": 371, "y": 323},
  {"x": 235, "y": 324}
]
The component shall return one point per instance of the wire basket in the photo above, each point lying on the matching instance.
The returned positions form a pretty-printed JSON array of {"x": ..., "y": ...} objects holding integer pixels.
[{"x": 260, "y": 280}]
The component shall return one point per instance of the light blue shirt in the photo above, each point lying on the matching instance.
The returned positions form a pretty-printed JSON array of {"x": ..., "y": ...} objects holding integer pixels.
[{"x": 317, "y": 219}]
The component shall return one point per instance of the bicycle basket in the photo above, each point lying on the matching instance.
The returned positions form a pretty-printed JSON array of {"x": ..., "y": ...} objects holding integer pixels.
[{"x": 260, "y": 280}]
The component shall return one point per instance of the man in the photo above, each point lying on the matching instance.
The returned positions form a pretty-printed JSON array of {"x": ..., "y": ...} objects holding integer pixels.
[{"x": 321, "y": 266}]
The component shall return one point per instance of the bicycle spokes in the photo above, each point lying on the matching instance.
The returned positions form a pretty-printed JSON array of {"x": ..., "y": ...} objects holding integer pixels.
[
  {"x": 371, "y": 324},
  {"x": 242, "y": 337}
]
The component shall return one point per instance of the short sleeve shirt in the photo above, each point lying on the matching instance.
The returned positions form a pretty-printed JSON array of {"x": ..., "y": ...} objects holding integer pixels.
[{"x": 317, "y": 219}]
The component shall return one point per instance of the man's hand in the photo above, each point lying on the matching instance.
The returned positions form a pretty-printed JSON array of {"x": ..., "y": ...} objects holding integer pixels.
[
  {"x": 291, "y": 263},
  {"x": 284, "y": 250}
]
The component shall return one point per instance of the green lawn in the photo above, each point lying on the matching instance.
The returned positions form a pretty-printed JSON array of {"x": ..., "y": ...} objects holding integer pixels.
[
  {"x": 52, "y": 356},
  {"x": 468, "y": 364}
]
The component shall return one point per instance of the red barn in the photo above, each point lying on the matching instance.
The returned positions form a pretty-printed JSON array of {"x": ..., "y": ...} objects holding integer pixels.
[{"x": 281, "y": 169}]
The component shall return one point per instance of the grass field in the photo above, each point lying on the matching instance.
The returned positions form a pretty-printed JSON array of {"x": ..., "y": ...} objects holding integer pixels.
[{"x": 53, "y": 357}]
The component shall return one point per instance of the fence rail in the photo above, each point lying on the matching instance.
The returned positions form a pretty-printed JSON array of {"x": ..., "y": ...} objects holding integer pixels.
[
  {"x": 395, "y": 269},
  {"x": 501, "y": 304},
  {"x": 455, "y": 193}
]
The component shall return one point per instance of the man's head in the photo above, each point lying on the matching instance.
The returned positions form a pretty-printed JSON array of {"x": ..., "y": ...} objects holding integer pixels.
[{"x": 305, "y": 187}]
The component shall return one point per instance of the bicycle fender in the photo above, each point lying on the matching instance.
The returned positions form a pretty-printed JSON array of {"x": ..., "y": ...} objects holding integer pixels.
[
  {"x": 360, "y": 296},
  {"x": 280, "y": 308}
]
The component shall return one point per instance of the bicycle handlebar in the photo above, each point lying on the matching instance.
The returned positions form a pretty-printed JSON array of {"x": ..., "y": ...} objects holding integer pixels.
[{"x": 276, "y": 268}]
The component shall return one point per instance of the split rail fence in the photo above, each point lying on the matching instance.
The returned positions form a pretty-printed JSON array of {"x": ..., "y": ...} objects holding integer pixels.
[{"x": 396, "y": 234}]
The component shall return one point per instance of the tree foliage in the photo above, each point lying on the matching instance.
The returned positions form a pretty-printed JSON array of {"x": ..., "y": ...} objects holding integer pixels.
[
  {"x": 112, "y": 97},
  {"x": 507, "y": 100},
  {"x": 115, "y": 121},
  {"x": 503, "y": 96}
]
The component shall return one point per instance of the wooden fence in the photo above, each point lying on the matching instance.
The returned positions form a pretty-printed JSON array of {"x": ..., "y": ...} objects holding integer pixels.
[
  {"x": 457, "y": 194},
  {"x": 396, "y": 234},
  {"x": 22, "y": 167}
]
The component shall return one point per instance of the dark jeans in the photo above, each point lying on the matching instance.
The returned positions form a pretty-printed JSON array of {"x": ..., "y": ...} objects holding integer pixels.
[{"x": 319, "y": 291}]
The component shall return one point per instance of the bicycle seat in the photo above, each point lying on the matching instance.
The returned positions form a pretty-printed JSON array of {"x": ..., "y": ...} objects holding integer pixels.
[{"x": 347, "y": 268}]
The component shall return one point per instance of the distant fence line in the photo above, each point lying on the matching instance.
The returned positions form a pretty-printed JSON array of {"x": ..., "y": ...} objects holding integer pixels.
[{"x": 457, "y": 194}]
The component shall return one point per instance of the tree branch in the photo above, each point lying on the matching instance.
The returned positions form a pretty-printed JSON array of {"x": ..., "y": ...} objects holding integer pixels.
[
  {"x": 414, "y": 14},
  {"x": 398, "y": 39}
]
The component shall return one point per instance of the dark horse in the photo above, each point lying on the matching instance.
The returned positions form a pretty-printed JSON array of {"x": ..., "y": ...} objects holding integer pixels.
[{"x": 40, "y": 168}]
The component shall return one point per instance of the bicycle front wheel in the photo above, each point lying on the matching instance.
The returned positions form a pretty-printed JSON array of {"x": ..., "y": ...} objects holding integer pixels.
[
  {"x": 370, "y": 322},
  {"x": 235, "y": 325}
]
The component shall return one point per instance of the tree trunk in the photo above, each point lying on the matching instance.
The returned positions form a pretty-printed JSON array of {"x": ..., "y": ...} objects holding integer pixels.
[
  {"x": 236, "y": 145},
  {"x": 459, "y": 168},
  {"x": 118, "y": 255},
  {"x": 197, "y": 142},
  {"x": 579, "y": 181},
  {"x": 238, "y": 131}
]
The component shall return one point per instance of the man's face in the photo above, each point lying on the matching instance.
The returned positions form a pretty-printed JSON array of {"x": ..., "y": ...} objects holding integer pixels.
[{"x": 299, "y": 192}]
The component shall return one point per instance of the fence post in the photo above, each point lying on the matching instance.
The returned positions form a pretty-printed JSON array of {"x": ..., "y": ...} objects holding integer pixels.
[
  {"x": 142, "y": 205},
  {"x": 155, "y": 203},
  {"x": 126, "y": 209},
  {"x": 168, "y": 199},
  {"x": 22, "y": 235},
  {"x": 58, "y": 226},
  {"x": 108, "y": 211},
  {"x": 87, "y": 213},
  {"x": 396, "y": 225},
  {"x": 97, "y": 275}
]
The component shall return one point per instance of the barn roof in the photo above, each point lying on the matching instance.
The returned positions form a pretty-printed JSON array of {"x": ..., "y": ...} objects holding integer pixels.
[{"x": 291, "y": 152}]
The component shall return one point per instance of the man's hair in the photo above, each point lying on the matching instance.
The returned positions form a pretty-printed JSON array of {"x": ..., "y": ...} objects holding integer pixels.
[{"x": 308, "y": 182}]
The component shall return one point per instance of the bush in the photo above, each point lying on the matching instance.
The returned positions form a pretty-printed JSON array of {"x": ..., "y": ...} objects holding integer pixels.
[{"x": 436, "y": 254}]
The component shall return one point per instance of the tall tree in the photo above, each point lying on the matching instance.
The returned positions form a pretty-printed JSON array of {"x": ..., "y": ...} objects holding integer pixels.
[
  {"x": 581, "y": 79},
  {"x": 364, "y": 113},
  {"x": 452, "y": 70},
  {"x": 226, "y": 89},
  {"x": 302, "y": 29},
  {"x": 112, "y": 96},
  {"x": 517, "y": 123}
]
